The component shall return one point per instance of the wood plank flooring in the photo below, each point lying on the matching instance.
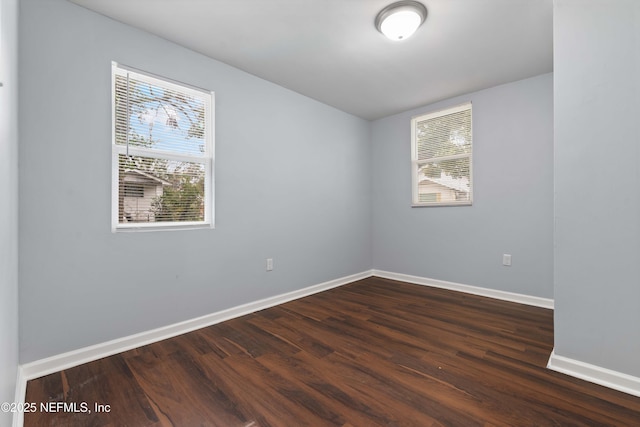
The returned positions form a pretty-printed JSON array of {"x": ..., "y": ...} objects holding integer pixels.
[{"x": 372, "y": 353}]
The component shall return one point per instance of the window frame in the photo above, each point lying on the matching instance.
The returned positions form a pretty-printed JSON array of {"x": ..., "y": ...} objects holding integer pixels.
[
  {"x": 416, "y": 164},
  {"x": 208, "y": 160}
]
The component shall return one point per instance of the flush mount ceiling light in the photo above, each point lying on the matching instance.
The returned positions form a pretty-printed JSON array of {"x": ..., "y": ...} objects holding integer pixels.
[{"x": 400, "y": 20}]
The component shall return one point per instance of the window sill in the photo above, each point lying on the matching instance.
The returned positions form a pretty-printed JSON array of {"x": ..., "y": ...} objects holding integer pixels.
[
  {"x": 145, "y": 227},
  {"x": 439, "y": 205}
]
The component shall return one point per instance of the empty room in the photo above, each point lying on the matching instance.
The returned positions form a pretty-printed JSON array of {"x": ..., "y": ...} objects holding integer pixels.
[{"x": 319, "y": 213}]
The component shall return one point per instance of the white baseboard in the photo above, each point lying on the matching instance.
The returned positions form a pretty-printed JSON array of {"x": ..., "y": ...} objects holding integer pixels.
[
  {"x": 595, "y": 374},
  {"x": 485, "y": 292},
  {"x": 21, "y": 392},
  {"x": 73, "y": 358}
]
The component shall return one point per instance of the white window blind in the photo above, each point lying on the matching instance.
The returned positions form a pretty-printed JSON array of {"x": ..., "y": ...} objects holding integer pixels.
[
  {"x": 441, "y": 157},
  {"x": 162, "y": 152}
]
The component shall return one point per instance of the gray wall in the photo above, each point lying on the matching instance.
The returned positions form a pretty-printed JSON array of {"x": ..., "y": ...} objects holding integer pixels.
[
  {"x": 597, "y": 173},
  {"x": 8, "y": 205},
  {"x": 513, "y": 196},
  {"x": 292, "y": 183}
]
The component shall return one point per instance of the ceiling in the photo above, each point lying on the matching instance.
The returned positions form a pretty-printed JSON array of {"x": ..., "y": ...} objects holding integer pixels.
[{"x": 331, "y": 51}]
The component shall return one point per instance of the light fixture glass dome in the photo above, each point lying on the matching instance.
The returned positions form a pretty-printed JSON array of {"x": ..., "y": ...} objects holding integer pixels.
[{"x": 400, "y": 20}]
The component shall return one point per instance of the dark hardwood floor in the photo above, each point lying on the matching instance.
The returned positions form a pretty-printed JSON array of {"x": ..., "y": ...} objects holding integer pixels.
[{"x": 372, "y": 353}]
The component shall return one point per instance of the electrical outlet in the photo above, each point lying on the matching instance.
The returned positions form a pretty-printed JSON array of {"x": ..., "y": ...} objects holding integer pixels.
[
  {"x": 506, "y": 260},
  {"x": 269, "y": 264}
]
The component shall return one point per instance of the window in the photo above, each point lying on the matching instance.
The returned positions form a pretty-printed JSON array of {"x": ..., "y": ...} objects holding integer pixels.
[
  {"x": 162, "y": 153},
  {"x": 441, "y": 157}
]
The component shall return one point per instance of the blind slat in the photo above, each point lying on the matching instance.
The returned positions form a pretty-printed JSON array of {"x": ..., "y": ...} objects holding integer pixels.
[
  {"x": 158, "y": 117},
  {"x": 446, "y": 135},
  {"x": 157, "y": 190}
]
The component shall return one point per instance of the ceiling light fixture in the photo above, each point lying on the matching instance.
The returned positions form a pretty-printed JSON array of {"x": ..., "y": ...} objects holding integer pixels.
[{"x": 401, "y": 19}]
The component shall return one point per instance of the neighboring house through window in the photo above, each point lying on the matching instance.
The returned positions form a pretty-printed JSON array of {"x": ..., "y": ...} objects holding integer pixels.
[
  {"x": 441, "y": 157},
  {"x": 162, "y": 161}
]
